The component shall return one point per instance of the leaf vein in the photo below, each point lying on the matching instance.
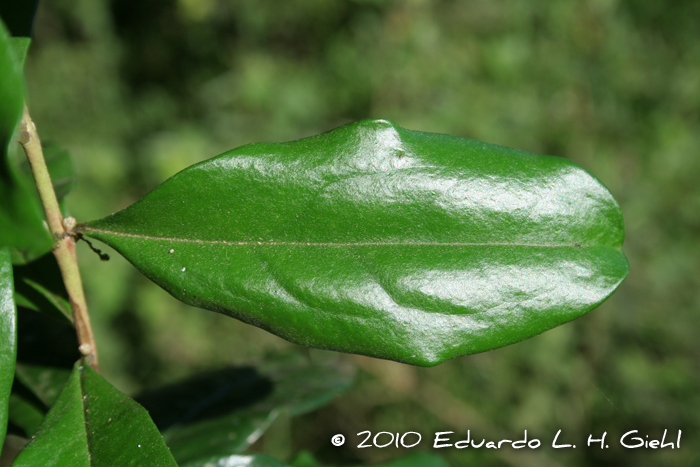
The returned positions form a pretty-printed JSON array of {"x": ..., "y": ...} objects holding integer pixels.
[{"x": 332, "y": 244}]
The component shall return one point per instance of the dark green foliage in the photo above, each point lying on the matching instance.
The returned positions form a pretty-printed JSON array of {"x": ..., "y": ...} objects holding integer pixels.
[
  {"x": 305, "y": 459},
  {"x": 8, "y": 336},
  {"x": 60, "y": 167},
  {"x": 24, "y": 414},
  {"x": 38, "y": 286},
  {"x": 254, "y": 460},
  {"x": 382, "y": 241},
  {"x": 21, "y": 226},
  {"x": 18, "y": 16},
  {"x": 220, "y": 414},
  {"x": 92, "y": 424},
  {"x": 47, "y": 349}
]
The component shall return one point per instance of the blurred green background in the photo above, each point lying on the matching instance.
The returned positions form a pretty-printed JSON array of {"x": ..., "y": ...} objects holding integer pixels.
[{"x": 140, "y": 89}]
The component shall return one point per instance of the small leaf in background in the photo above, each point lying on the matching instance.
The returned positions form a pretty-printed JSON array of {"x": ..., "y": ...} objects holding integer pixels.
[
  {"x": 62, "y": 172},
  {"x": 25, "y": 415},
  {"x": 209, "y": 416},
  {"x": 419, "y": 459},
  {"x": 305, "y": 459},
  {"x": 382, "y": 241},
  {"x": 45, "y": 382},
  {"x": 92, "y": 424},
  {"x": 216, "y": 415},
  {"x": 61, "y": 169},
  {"x": 18, "y": 16},
  {"x": 301, "y": 386},
  {"x": 253, "y": 460},
  {"x": 47, "y": 350},
  {"x": 21, "y": 215},
  {"x": 39, "y": 286},
  {"x": 21, "y": 47},
  {"x": 8, "y": 336},
  {"x": 11, "y": 89}
]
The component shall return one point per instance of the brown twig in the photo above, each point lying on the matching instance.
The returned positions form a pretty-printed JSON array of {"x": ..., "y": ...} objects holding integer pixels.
[{"x": 62, "y": 230}]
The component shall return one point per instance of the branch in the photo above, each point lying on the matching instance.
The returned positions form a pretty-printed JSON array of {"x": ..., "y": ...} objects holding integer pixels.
[{"x": 62, "y": 230}]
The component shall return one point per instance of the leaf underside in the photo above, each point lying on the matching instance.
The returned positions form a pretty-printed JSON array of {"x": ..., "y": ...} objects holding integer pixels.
[{"x": 382, "y": 241}]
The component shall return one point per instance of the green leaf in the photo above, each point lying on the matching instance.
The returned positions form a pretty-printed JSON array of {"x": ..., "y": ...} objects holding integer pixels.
[
  {"x": 254, "y": 460},
  {"x": 47, "y": 349},
  {"x": 219, "y": 414},
  {"x": 421, "y": 459},
  {"x": 21, "y": 46},
  {"x": 300, "y": 386},
  {"x": 93, "y": 424},
  {"x": 25, "y": 414},
  {"x": 305, "y": 459},
  {"x": 39, "y": 286},
  {"x": 8, "y": 336},
  {"x": 45, "y": 382},
  {"x": 61, "y": 169},
  {"x": 62, "y": 173},
  {"x": 209, "y": 416},
  {"x": 220, "y": 437},
  {"x": 21, "y": 215},
  {"x": 382, "y": 241},
  {"x": 11, "y": 90}
]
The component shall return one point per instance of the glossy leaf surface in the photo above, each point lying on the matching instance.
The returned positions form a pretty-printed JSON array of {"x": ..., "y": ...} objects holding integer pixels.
[
  {"x": 92, "y": 424},
  {"x": 8, "y": 336},
  {"x": 254, "y": 460},
  {"x": 213, "y": 416},
  {"x": 21, "y": 215},
  {"x": 382, "y": 241}
]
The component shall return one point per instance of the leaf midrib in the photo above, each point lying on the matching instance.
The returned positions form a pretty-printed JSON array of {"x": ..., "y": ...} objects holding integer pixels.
[
  {"x": 338, "y": 244},
  {"x": 86, "y": 415}
]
